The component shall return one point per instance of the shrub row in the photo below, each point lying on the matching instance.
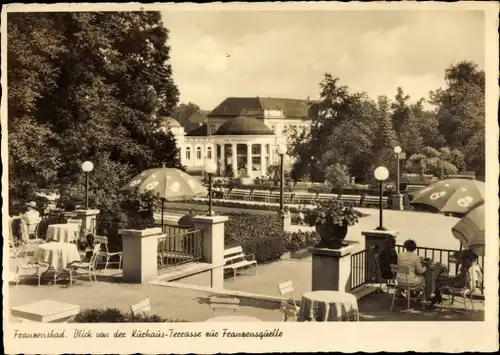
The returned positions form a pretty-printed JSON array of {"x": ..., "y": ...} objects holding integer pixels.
[
  {"x": 113, "y": 315},
  {"x": 300, "y": 240}
]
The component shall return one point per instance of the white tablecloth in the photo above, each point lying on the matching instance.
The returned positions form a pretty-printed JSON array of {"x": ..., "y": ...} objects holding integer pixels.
[
  {"x": 57, "y": 255},
  {"x": 328, "y": 306},
  {"x": 64, "y": 233}
]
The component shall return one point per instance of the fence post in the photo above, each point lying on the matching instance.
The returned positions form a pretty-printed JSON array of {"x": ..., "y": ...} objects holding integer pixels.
[
  {"x": 213, "y": 245},
  {"x": 331, "y": 268},
  {"x": 140, "y": 254},
  {"x": 375, "y": 242}
]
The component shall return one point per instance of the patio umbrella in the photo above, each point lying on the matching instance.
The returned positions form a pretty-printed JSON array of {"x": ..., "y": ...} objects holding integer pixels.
[
  {"x": 458, "y": 196},
  {"x": 470, "y": 230},
  {"x": 168, "y": 184}
]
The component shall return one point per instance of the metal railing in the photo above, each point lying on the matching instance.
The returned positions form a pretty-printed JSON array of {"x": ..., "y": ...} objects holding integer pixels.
[
  {"x": 361, "y": 270},
  {"x": 178, "y": 249}
]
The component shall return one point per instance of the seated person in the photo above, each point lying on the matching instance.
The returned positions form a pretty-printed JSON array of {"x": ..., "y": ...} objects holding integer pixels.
[
  {"x": 410, "y": 259},
  {"x": 465, "y": 258},
  {"x": 387, "y": 257},
  {"x": 29, "y": 221}
]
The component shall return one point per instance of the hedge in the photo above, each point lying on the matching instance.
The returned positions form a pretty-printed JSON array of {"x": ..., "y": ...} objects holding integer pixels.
[
  {"x": 300, "y": 240},
  {"x": 114, "y": 315}
]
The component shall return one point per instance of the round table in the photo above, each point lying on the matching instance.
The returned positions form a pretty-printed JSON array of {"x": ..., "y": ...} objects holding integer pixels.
[
  {"x": 233, "y": 319},
  {"x": 64, "y": 233},
  {"x": 328, "y": 306},
  {"x": 56, "y": 255}
]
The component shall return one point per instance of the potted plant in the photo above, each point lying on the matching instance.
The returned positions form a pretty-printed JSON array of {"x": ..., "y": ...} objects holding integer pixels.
[{"x": 332, "y": 220}]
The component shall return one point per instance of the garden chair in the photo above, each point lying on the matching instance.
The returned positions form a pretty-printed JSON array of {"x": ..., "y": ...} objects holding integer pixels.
[
  {"x": 87, "y": 266},
  {"x": 105, "y": 253},
  {"x": 23, "y": 265},
  {"x": 224, "y": 303},
  {"x": 405, "y": 287},
  {"x": 288, "y": 306},
  {"x": 143, "y": 307}
]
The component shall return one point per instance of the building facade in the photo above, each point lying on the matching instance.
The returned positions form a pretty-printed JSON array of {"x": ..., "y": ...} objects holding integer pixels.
[{"x": 241, "y": 135}]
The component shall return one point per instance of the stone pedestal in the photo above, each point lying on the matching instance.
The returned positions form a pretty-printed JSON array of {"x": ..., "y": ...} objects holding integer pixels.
[
  {"x": 375, "y": 241},
  {"x": 88, "y": 218},
  {"x": 331, "y": 268},
  {"x": 213, "y": 245},
  {"x": 397, "y": 202},
  {"x": 140, "y": 254}
]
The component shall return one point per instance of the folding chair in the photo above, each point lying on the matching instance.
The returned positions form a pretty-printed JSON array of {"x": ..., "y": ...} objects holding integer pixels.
[
  {"x": 87, "y": 266},
  {"x": 289, "y": 309},
  {"x": 405, "y": 270},
  {"x": 224, "y": 303},
  {"x": 105, "y": 253}
]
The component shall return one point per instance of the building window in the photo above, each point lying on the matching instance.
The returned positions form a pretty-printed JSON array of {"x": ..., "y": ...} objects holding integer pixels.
[
  {"x": 188, "y": 153},
  {"x": 198, "y": 153},
  {"x": 213, "y": 129},
  {"x": 209, "y": 152},
  {"x": 255, "y": 149}
]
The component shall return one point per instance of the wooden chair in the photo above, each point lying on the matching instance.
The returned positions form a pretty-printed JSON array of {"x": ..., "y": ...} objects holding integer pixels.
[
  {"x": 405, "y": 270},
  {"x": 143, "y": 307},
  {"x": 87, "y": 266},
  {"x": 104, "y": 252},
  {"x": 224, "y": 303},
  {"x": 288, "y": 306}
]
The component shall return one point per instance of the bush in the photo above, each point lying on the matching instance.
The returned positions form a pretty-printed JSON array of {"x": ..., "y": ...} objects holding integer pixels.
[
  {"x": 113, "y": 315},
  {"x": 300, "y": 240},
  {"x": 261, "y": 235}
]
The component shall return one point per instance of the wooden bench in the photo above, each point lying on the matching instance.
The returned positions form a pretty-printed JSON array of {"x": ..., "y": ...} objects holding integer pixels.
[
  {"x": 237, "y": 194},
  {"x": 261, "y": 195},
  {"x": 374, "y": 201},
  {"x": 304, "y": 197},
  {"x": 275, "y": 196},
  {"x": 235, "y": 259},
  {"x": 327, "y": 197},
  {"x": 353, "y": 199}
]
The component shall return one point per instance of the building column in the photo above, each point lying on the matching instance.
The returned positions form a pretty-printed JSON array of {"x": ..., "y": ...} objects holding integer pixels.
[
  {"x": 222, "y": 160},
  {"x": 249, "y": 159},
  {"x": 263, "y": 166},
  {"x": 234, "y": 160}
]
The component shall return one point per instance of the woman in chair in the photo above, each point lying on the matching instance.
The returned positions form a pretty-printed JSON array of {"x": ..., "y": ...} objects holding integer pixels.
[
  {"x": 29, "y": 221},
  {"x": 411, "y": 260},
  {"x": 465, "y": 258}
]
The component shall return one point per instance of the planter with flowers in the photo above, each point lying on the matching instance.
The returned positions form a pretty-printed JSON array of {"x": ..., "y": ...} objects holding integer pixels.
[{"x": 332, "y": 220}]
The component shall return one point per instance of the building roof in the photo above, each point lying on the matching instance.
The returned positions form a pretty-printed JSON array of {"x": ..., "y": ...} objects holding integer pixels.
[
  {"x": 243, "y": 126},
  {"x": 199, "y": 131},
  {"x": 171, "y": 122},
  {"x": 255, "y": 106}
]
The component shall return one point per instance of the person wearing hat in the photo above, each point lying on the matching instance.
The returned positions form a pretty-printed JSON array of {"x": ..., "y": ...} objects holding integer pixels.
[{"x": 29, "y": 220}]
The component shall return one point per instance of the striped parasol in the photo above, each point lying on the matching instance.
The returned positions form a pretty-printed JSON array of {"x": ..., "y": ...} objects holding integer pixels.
[{"x": 470, "y": 230}]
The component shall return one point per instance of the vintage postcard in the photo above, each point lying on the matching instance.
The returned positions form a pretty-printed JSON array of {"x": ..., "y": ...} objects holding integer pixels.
[{"x": 250, "y": 177}]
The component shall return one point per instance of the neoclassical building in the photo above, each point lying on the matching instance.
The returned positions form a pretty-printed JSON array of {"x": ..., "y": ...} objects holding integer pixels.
[{"x": 241, "y": 134}]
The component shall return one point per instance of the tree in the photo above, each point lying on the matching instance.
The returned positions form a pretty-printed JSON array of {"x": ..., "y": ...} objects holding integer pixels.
[
  {"x": 337, "y": 175},
  {"x": 90, "y": 85},
  {"x": 438, "y": 162},
  {"x": 400, "y": 111}
]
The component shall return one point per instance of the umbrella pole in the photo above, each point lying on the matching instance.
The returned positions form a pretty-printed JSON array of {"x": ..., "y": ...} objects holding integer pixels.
[{"x": 162, "y": 205}]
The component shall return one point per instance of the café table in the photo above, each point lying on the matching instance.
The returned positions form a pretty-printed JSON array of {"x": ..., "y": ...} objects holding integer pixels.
[
  {"x": 45, "y": 311},
  {"x": 64, "y": 233},
  {"x": 328, "y": 306},
  {"x": 233, "y": 319},
  {"x": 57, "y": 256}
]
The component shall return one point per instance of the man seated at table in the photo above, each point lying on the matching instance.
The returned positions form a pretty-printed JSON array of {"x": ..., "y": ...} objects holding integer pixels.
[
  {"x": 29, "y": 221},
  {"x": 410, "y": 259},
  {"x": 465, "y": 258}
]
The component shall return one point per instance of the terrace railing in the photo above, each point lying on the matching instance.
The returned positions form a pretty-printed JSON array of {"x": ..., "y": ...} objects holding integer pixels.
[
  {"x": 361, "y": 270},
  {"x": 178, "y": 249}
]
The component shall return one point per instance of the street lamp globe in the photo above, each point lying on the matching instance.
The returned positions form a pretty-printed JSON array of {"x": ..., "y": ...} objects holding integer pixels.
[
  {"x": 397, "y": 149},
  {"x": 87, "y": 166},
  {"x": 282, "y": 149},
  {"x": 210, "y": 167},
  {"x": 381, "y": 173}
]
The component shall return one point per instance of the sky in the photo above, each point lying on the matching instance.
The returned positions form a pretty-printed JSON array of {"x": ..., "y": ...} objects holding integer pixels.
[{"x": 219, "y": 54}]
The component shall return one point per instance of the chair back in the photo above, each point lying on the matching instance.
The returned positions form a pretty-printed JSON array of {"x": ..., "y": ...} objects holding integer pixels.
[
  {"x": 224, "y": 303},
  {"x": 95, "y": 253},
  {"x": 286, "y": 290},
  {"x": 142, "y": 307},
  {"x": 101, "y": 240},
  {"x": 401, "y": 270},
  {"x": 289, "y": 310}
]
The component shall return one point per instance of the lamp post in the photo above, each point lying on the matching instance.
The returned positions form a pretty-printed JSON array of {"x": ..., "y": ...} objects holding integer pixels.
[
  {"x": 210, "y": 168},
  {"x": 87, "y": 167},
  {"x": 282, "y": 152},
  {"x": 397, "y": 200},
  {"x": 381, "y": 174}
]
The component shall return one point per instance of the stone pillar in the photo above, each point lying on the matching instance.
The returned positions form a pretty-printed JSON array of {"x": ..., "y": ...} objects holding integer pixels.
[
  {"x": 262, "y": 160},
  {"x": 397, "y": 202},
  {"x": 213, "y": 245},
  {"x": 234, "y": 159},
  {"x": 375, "y": 240},
  {"x": 88, "y": 218},
  {"x": 331, "y": 268},
  {"x": 140, "y": 254},
  {"x": 249, "y": 159}
]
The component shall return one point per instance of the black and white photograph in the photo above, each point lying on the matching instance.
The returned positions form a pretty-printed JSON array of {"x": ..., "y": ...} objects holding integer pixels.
[{"x": 247, "y": 177}]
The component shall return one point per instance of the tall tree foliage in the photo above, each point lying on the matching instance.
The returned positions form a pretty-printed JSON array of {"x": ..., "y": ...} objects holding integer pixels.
[{"x": 89, "y": 85}]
